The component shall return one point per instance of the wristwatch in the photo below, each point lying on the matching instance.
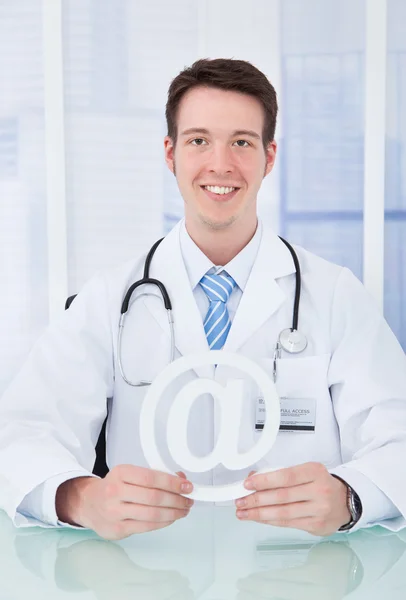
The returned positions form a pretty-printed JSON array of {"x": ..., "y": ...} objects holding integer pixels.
[{"x": 354, "y": 505}]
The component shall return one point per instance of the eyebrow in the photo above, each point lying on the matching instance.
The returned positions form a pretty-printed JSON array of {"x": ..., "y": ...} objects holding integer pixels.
[{"x": 246, "y": 132}]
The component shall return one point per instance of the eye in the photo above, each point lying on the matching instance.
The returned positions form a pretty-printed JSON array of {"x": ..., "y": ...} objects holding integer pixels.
[
  {"x": 241, "y": 145},
  {"x": 198, "y": 142}
]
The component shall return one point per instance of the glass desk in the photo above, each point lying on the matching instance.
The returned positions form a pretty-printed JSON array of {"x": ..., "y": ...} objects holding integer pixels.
[{"x": 209, "y": 555}]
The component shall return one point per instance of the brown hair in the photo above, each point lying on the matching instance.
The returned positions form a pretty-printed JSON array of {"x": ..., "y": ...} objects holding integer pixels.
[{"x": 226, "y": 74}]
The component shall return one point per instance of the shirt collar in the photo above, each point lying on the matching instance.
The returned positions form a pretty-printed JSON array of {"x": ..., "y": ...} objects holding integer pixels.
[{"x": 197, "y": 264}]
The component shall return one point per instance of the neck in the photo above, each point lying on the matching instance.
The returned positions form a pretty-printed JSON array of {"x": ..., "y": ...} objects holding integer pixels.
[{"x": 221, "y": 245}]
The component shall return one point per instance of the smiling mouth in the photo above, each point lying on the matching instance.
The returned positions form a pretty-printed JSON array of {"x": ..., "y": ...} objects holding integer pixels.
[{"x": 220, "y": 193}]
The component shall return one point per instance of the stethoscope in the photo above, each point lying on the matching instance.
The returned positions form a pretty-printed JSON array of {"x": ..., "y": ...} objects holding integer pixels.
[{"x": 291, "y": 340}]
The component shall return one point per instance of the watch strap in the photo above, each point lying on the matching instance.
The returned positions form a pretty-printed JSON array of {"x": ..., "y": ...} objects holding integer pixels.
[{"x": 354, "y": 505}]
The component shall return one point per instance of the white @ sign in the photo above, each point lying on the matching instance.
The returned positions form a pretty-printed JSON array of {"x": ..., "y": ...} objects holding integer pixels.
[{"x": 231, "y": 399}]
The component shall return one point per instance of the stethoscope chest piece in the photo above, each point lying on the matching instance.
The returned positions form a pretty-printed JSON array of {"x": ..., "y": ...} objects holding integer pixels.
[{"x": 292, "y": 341}]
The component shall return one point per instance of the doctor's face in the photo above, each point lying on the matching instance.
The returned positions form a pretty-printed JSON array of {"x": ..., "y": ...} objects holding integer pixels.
[{"x": 219, "y": 145}]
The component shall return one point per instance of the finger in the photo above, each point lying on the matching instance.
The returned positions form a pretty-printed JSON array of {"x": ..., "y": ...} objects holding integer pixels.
[
  {"x": 298, "y": 493},
  {"x": 151, "y": 514},
  {"x": 288, "y": 477},
  {"x": 283, "y": 512},
  {"x": 181, "y": 474},
  {"x": 154, "y": 497},
  {"x": 149, "y": 478}
]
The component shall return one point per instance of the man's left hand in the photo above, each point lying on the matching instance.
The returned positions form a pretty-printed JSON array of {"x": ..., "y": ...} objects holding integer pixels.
[{"x": 303, "y": 497}]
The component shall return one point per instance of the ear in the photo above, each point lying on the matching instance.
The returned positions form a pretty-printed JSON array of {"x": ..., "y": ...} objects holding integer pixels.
[
  {"x": 270, "y": 157},
  {"x": 169, "y": 153}
]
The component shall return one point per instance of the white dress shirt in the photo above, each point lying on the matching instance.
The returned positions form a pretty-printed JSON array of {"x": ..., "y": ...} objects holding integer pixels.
[{"x": 40, "y": 503}]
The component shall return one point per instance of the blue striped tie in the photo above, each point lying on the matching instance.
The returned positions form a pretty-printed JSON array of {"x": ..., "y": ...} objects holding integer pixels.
[{"x": 217, "y": 322}]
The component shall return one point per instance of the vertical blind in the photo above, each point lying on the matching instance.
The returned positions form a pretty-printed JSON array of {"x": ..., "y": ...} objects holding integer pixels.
[
  {"x": 323, "y": 115},
  {"x": 395, "y": 170},
  {"x": 110, "y": 193},
  {"x": 23, "y": 260}
]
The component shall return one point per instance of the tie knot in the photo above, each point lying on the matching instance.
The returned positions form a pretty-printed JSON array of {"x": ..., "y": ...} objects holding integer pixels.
[{"x": 218, "y": 287}]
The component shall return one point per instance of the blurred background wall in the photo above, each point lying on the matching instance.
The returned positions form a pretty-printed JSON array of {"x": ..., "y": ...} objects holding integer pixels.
[{"x": 83, "y": 183}]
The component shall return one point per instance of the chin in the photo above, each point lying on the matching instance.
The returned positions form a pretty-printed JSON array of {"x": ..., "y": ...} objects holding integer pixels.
[{"x": 216, "y": 222}]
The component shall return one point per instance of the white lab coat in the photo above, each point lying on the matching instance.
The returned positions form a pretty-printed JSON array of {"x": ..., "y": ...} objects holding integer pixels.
[{"x": 353, "y": 367}]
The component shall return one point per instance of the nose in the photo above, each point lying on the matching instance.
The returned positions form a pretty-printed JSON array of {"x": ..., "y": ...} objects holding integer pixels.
[{"x": 221, "y": 160}]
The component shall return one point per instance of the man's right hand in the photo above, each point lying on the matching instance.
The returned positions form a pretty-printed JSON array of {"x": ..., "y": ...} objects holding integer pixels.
[{"x": 128, "y": 500}]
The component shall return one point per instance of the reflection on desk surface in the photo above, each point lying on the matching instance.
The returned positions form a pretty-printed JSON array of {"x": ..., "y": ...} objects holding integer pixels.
[{"x": 209, "y": 555}]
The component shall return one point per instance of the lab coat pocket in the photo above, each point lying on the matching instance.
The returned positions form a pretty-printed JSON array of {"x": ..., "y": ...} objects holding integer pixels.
[{"x": 301, "y": 377}]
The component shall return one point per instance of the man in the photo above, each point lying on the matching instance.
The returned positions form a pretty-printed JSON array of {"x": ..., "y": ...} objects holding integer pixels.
[{"x": 348, "y": 473}]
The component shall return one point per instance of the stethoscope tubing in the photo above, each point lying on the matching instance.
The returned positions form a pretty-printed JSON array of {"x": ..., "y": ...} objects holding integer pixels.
[{"x": 146, "y": 279}]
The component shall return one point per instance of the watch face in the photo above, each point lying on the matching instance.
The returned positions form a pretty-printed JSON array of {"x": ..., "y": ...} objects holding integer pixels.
[{"x": 355, "y": 505}]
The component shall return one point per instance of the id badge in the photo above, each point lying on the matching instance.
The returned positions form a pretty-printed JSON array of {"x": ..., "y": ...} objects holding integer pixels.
[{"x": 297, "y": 414}]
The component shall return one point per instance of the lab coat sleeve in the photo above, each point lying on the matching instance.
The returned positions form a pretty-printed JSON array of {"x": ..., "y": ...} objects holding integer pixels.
[
  {"x": 52, "y": 413},
  {"x": 39, "y": 504},
  {"x": 367, "y": 378},
  {"x": 376, "y": 506}
]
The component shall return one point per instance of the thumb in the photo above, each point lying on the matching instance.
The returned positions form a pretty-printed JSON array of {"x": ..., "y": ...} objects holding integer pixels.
[
  {"x": 181, "y": 474},
  {"x": 251, "y": 473}
]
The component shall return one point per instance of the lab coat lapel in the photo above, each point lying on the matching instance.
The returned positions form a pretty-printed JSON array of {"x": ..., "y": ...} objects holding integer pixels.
[
  {"x": 168, "y": 266},
  {"x": 262, "y": 295}
]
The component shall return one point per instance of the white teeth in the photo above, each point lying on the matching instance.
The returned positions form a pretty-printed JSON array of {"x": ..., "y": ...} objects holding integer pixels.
[{"x": 215, "y": 189}]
